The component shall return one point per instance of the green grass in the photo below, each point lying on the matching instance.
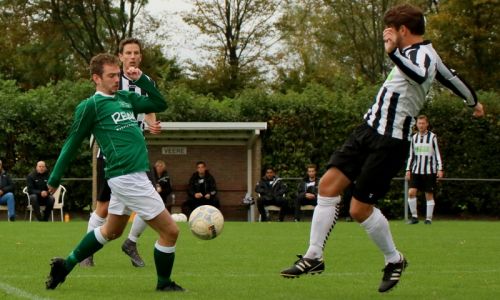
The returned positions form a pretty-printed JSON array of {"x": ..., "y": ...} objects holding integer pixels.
[{"x": 447, "y": 260}]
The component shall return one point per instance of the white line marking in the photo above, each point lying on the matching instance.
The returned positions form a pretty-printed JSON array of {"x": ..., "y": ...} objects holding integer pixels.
[{"x": 9, "y": 289}]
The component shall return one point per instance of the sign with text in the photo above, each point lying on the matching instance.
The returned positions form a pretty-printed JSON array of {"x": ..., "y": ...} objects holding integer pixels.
[{"x": 174, "y": 150}]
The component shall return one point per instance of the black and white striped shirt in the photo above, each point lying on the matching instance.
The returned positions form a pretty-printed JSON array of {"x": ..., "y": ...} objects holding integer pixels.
[
  {"x": 403, "y": 93},
  {"x": 127, "y": 84},
  {"x": 424, "y": 157}
]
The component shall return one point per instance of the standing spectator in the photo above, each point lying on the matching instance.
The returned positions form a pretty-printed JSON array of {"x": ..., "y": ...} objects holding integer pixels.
[
  {"x": 307, "y": 191},
  {"x": 202, "y": 190},
  {"x": 378, "y": 148},
  {"x": 271, "y": 190},
  {"x": 39, "y": 191},
  {"x": 162, "y": 182},
  {"x": 6, "y": 195},
  {"x": 423, "y": 168}
]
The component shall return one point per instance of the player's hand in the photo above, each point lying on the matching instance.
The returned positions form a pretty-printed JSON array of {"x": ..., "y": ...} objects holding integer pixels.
[
  {"x": 390, "y": 39},
  {"x": 52, "y": 189},
  {"x": 408, "y": 175},
  {"x": 133, "y": 73},
  {"x": 154, "y": 128},
  {"x": 440, "y": 174},
  {"x": 478, "y": 110}
]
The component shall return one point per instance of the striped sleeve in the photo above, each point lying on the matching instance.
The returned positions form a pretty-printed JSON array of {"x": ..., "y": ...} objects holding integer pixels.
[
  {"x": 411, "y": 156},
  {"x": 416, "y": 67},
  {"x": 437, "y": 154},
  {"x": 450, "y": 79}
]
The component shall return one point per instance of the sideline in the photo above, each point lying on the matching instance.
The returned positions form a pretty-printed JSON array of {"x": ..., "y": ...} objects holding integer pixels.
[{"x": 10, "y": 290}]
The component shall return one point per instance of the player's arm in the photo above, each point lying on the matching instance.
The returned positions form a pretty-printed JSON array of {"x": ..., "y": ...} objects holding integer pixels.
[
  {"x": 439, "y": 161},
  {"x": 410, "y": 161},
  {"x": 154, "y": 102},
  {"x": 80, "y": 129}
]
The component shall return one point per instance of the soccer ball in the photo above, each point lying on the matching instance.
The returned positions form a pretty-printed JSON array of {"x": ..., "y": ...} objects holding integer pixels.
[
  {"x": 179, "y": 217},
  {"x": 206, "y": 222}
]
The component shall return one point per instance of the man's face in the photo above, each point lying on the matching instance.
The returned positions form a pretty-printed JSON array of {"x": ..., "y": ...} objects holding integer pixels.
[
  {"x": 160, "y": 168},
  {"x": 131, "y": 56},
  {"x": 422, "y": 125},
  {"x": 109, "y": 81},
  {"x": 201, "y": 168},
  {"x": 269, "y": 174},
  {"x": 41, "y": 167},
  {"x": 311, "y": 172}
]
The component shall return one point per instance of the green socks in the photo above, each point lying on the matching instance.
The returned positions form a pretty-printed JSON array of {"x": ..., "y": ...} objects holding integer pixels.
[
  {"x": 164, "y": 261},
  {"x": 87, "y": 246}
]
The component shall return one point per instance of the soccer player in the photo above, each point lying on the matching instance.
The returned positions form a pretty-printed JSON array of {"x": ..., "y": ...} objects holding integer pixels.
[
  {"x": 378, "y": 148},
  {"x": 109, "y": 115},
  {"x": 423, "y": 168},
  {"x": 130, "y": 54}
]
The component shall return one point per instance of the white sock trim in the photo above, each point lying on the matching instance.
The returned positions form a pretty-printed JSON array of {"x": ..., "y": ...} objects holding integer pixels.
[
  {"x": 164, "y": 249},
  {"x": 99, "y": 237},
  {"x": 328, "y": 201}
]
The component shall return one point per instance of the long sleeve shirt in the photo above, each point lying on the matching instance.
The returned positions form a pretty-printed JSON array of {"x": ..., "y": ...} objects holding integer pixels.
[
  {"x": 424, "y": 157},
  {"x": 403, "y": 93},
  {"x": 110, "y": 118}
]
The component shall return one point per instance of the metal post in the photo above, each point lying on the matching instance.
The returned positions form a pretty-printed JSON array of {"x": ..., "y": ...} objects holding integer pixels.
[{"x": 406, "y": 199}]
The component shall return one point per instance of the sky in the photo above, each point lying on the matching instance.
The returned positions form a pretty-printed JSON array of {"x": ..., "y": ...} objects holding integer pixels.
[{"x": 181, "y": 37}]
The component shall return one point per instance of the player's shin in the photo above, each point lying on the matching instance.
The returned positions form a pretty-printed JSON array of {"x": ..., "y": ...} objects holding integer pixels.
[{"x": 324, "y": 219}]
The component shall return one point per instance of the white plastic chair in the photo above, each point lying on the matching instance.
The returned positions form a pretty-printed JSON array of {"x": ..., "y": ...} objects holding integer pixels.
[{"x": 58, "y": 202}]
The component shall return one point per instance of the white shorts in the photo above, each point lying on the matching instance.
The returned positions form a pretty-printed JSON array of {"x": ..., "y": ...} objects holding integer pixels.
[{"x": 134, "y": 192}]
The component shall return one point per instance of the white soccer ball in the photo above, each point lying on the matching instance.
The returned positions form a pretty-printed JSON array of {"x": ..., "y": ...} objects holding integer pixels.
[
  {"x": 206, "y": 222},
  {"x": 179, "y": 217}
]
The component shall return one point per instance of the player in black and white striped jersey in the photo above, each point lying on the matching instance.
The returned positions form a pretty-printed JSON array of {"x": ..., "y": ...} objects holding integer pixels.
[
  {"x": 130, "y": 54},
  {"x": 423, "y": 168},
  {"x": 377, "y": 149}
]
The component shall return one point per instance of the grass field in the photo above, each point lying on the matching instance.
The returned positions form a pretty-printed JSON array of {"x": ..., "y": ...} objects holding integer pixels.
[{"x": 447, "y": 260}]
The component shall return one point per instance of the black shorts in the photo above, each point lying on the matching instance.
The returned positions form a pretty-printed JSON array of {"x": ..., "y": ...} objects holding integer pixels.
[
  {"x": 423, "y": 182},
  {"x": 103, "y": 190},
  {"x": 370, "y": 160}
]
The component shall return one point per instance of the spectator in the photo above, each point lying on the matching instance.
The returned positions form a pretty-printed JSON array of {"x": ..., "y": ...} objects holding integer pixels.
[
  {"x": 423, "y": 168},
  {"x": 271, "y": 190},
  {"x": 202, "y": 190},
  {"x": 162, "y": 183},
  {"x": 6, "y": 195},
  {"x": 307, "y": 191},
  {"x": 39, "y": 191}
]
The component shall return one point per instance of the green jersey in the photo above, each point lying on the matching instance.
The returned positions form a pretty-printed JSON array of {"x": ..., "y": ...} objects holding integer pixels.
[{"x": 111, "y": 120}]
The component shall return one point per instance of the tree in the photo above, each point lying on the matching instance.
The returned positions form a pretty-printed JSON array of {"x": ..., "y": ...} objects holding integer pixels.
[
  {"x": 471, "y": 44},
  {"x": 240, "y": 33}
]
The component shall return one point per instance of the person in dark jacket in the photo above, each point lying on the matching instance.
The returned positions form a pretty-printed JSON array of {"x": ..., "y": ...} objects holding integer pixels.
[
  {"x": 6, "y": 193},
  {"x": 202, "y": 190},
  {"x": 271, "y": 190},
  {"x": 307, "y": 190},
  {"x": 39, "y": 191},
  {"x": 162, "y": 183}
]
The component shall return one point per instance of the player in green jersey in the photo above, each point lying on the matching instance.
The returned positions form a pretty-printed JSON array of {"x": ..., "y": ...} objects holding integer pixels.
[{"x": 109, "y": 116}]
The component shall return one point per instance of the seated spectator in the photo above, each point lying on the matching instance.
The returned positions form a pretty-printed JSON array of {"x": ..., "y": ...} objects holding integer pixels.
[
  {"x": 201, "y": 191},
  {"x": 307, "y": 191},
  {"x": 39, "y": 191},
  {"x": 162, "y": 183},
  {"x": 6, "y": 195},
  {"x": 271, "y": 190}
]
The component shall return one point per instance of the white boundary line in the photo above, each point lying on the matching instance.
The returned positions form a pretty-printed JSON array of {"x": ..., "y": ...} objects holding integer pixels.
[{"x": 9, "y": 289}]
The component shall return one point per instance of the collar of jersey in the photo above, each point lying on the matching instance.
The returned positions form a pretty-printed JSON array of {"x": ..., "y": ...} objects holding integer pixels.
[{"x": 103, "y": 94}]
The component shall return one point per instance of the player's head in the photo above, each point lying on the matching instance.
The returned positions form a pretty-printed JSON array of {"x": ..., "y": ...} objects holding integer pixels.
[
  {"x": 105, "y": 72},
  {"x": 422, "y": 123},
  {"x": 406, "y": 15},
  {"x": 130, "y": 53},
  {"x": 160, "y": 166}
]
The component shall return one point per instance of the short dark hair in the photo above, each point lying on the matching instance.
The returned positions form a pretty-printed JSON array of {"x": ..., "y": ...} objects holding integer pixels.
[
  {"x": 127, "y": 41},
  {"x": 423, "y": 117},
  {"x": 201, "y": 163},
  {"x": 97, "y": 63},
  {"x": 408, "y": 15},
  {"x": 312, "y": 166}
]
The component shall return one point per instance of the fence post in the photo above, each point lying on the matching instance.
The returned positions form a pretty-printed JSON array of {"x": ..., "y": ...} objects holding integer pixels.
[{"x": 405, "y": 204}]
